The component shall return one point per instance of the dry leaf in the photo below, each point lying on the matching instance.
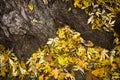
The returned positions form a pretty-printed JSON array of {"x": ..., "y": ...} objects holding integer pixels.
[
  {"x": 55, "y": 73},
  {"x": 45, "y": 2},
  {"x": 30, "y": 7},
  {"x": 48, "y": 58},
  {"x": 41, "y": 77}
]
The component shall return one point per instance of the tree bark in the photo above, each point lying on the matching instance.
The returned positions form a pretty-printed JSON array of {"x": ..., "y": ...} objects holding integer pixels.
[{"x": 19, "y": 31}]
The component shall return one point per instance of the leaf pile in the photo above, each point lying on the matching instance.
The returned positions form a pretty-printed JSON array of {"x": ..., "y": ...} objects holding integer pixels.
[
  {"x": 101, "y": 12},
  {"x": 67, "y": 49}
]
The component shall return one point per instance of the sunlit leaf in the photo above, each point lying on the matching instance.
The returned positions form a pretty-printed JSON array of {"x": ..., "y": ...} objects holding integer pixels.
[
  {"x": 117, "y": 60},
  {"x": 116, "y": 40},
  {"x": 1, "y": 59},
  {"x": 6, "y": 58},
  {"x": 61, "y": 76},
  {"x": 81, "y": 63},
  {"x": 68, "y": 75},
  {"x": 30, "y": 7},
  {"x": 62, "y": 60},
  {"x": 34, "y": 55},
  {"x": 22, "y": 70},
  {"x": 81, "y": 51},
  {"x": 90, "y": 20},
  {"x": 55, "y": 73},
  {"x": 113, "y": 65},
  {"x": 69, "y": 9},
  {"x": 3, "y": 71},
  {"x": 41, "y": 77},
  {"x": 104, "y": 54},
  {"x": 86, "y": 3},
  {"x": 14, "y": 67},
  {"x": 88, "y": 43},
  {"x": 14, "y": 71},
  {"x": 10, "y": 61},
  {"x": 76, "y": 4},
  {"x": 23, "y": 64},
  {"x": 34, "y": 20},
  {"x": 45, "y": 2},
  {"x": 50, "y": 41},
  {"x": 116, "y": 75}
]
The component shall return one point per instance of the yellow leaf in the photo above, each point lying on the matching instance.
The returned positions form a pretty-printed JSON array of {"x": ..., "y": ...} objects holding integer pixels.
[
  {"x": 34, "y": 20},
  {"x": 1, "y": 59},
  {"x": 81, "y": 51},
  {"x": 30, "y": 7},
  {"x": 41, "y": 77},
  {"x": 86, "y": 4},
  {"x": 97, "y": 22},
  {"x": 116, "y": 40},
  {"x": 117, "y": 60},
  {"x": 80, "y": 63},
  {"x": 55, "y": 73},
  {"x": 11, "y": 62},
  {"x": 104, "y": 54},
  {"x": 104, "y": 62},
  {"x": 111, "y": 9},
  {"x": 6, "y": 57},
  {"x": 14, "y": 71},
  {"x": 113, "y": 65},
  {"x": 69, "y": 9},
  {"x": 101, "y": 72},
  {"x": 61, "y": 76},
  {"x": 77, "y": 4},
  {"x": 98, "y": 49},
  {"x": 61, "y": 33},
  {"x": 88, "y": 44},
  {"x": 3, "y": 71},
  {"x": 91, "y": 19},
  {"x": 116, "y": 75},
  {"x": 37, "y": 65},
  {"x": 62, "y": 60},
  {"x": 23, "y": 64},
  {"x": 23, "y": 71},
  {"x": 34, "y": 55},
  {"x": 47, "y": 77},
  {"x": 47, "y": 68},
  {"x": 64, "y": 44},
  {"x": 68, "y": 75},
  {"x": 96, "y": 72},
  {"x": 76, "y": 37},
  {"x": 72, "y": 59},
  {"x": 115, "y": 34}
]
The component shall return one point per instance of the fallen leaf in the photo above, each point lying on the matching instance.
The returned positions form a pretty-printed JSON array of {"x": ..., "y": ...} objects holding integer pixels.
[
  {"x": 62, "y": 60},
  {"x": 41, "y": 77},
  {"x": 55, "y": 73},
  {"x": 30, "y": 7},
  {"x": 48, "y": 58}
]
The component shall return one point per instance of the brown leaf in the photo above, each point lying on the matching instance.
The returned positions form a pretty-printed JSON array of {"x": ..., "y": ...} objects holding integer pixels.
[{"x": 48, "y": 58}]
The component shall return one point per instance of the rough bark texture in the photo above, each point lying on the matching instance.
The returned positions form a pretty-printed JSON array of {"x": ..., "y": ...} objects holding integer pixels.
[{"x": 18, "y": 31}]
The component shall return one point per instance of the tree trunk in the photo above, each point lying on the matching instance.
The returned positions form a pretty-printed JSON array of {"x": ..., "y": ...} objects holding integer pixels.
[{"x": 25, "y": 30}]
